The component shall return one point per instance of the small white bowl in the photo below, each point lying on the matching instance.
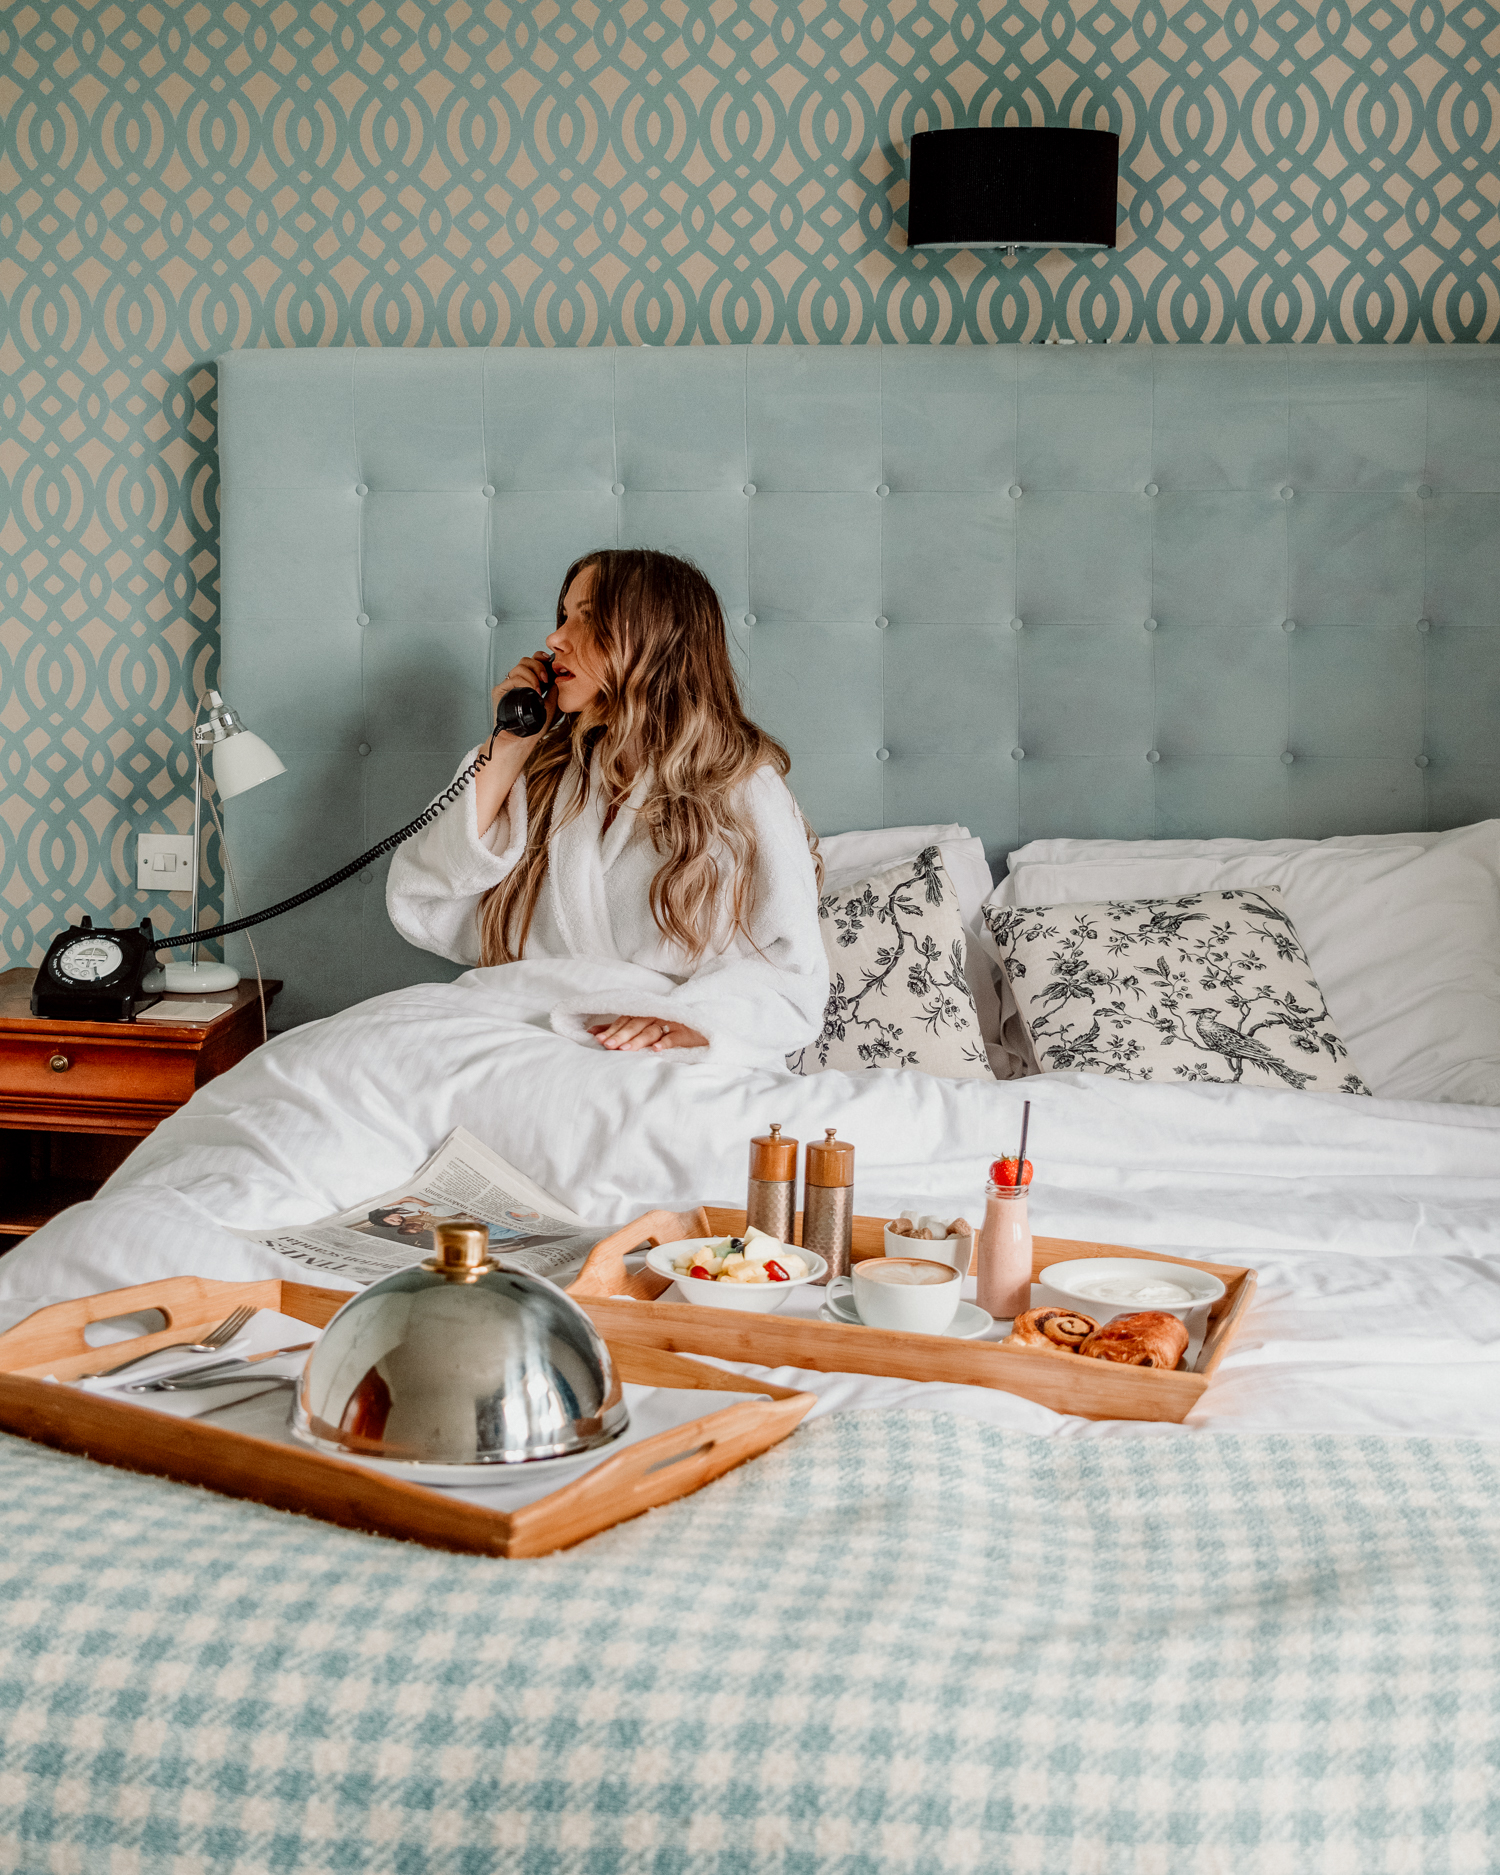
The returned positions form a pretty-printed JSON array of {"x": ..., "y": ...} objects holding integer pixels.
[
  {"x": 959, "y": 1251},
  {"x": 750, "y": 1298},
  {"x": 1075, "y": 1282}
]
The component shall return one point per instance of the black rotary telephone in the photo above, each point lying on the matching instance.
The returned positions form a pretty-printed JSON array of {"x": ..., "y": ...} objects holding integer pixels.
[{"x": 95, "y": 975}]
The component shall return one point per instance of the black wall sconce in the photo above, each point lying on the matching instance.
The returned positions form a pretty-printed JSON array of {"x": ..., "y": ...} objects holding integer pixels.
[{"x": 1013, "y": 188}]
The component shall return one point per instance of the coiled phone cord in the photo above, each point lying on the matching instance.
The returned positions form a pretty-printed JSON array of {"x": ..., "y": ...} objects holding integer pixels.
[{"x": 387, "y": 845}]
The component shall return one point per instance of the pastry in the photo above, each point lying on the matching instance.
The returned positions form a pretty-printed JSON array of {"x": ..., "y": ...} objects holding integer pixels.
[
  {"x": 1151, "y": 1338},
  {"x": 1059, "y": 1331}
]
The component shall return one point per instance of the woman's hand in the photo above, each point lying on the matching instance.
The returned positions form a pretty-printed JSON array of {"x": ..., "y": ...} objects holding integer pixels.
[
  {"x": 634, "y": 1032},
  {"x": 532, "y": 673}
]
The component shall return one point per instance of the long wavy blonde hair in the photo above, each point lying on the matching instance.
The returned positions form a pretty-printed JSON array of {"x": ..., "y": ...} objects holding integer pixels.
[{"x": 670, "y": 702}]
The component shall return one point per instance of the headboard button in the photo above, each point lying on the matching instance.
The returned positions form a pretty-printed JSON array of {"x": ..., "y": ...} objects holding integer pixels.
[
  {"x": 487, "y": 490},
  {"x": 882, "y": 623},
  {"x": 1150, "y": 624},
  {"x": 364, "y": 748},
  {"x": 1424, "y": 624},
  {"x": 883, "y": 490},
  {"x": 1287, "y": 492},
  {"x": 1151, "y": 488},
  {"x": 1014, "y": 491},
  {"x": 1424, "y": 493},
  {"x": 749, "y": 618},
  {"x": 1018, "y": 755},
  {"x": 1289, "y": 624},
  {"x": 1016, "y": 625},
  {"x": 1153, "y": 756},
  {"x": 882, "y": 755},
  {"x": 1422, "y": 761},
  {"x": 617, "y": 488},
  {"x": 491, "y": 620},
  {"x": 361, "y": 618},
  {"x": 1287, "y": 759},
  {"x": 748, "y": 489},
  {"x": 360, "y": 489}
]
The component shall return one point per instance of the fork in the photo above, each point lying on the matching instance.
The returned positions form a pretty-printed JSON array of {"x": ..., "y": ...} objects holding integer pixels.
[{"x": 211, "y": 1343}]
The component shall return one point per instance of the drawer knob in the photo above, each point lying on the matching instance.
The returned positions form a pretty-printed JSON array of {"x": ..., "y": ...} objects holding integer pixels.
[{"x": 59, "y": 1064}]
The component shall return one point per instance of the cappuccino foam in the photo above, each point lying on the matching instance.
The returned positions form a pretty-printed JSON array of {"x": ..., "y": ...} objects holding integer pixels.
[{"x": 900, "y": 1270}]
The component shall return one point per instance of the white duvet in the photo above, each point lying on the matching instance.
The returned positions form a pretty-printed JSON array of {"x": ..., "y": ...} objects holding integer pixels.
[{"x": 1375, "y": 1225}]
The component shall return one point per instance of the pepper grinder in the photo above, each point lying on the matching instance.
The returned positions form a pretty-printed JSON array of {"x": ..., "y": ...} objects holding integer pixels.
[
  {"x": 771, "y": 1198},
  {"x": 828, "y": 1201}
]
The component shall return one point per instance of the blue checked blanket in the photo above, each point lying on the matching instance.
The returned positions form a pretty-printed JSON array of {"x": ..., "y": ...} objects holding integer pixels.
[{"x": 901, "y": 1642}]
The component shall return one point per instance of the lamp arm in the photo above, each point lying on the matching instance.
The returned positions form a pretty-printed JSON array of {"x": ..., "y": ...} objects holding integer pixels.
[{"x": 387, "y": 845}]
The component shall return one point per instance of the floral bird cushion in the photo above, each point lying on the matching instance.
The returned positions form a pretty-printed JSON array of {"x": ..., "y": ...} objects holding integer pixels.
[
  {"x": 1211, "y": 987},
  {"x": 895, "y": 944}
]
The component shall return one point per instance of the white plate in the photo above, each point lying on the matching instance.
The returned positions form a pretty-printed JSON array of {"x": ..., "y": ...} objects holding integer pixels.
[
  {"x": 968, "y": 1324},
  {"x": 1071, "y": 1281}
]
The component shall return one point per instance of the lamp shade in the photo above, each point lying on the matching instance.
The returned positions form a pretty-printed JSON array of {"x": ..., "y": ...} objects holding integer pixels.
[
  {"x": 243, "y": 761},
  {"x": 1013, "y": 188}
]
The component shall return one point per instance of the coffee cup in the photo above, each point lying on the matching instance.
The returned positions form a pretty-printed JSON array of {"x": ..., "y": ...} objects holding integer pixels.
[{"x": 914, "y": 1295}]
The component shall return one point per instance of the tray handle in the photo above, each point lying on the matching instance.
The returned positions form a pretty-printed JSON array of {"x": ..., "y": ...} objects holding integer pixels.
[
  {"x": 52, "y": 1340},
  {"x": 659, "y": 1470},
  {"x": 604, "y": 1272}
]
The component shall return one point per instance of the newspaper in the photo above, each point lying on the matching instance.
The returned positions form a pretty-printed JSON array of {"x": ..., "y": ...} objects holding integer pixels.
[{"x": 529, "y": 1229}]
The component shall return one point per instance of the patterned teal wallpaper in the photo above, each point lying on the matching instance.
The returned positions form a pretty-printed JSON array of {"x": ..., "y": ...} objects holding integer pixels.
[{"x": 179, "y": 179}]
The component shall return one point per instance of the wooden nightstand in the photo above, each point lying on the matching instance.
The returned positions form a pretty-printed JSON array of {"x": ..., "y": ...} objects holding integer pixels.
[{"x": 76, "y": 1096}]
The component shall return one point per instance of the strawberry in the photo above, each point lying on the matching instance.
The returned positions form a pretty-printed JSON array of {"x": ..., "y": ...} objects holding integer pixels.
[{"x": 1003, "y": 1173}]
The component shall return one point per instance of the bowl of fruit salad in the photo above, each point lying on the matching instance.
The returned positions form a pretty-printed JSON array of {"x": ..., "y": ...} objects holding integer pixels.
[{"x": 754, "y": 1272}]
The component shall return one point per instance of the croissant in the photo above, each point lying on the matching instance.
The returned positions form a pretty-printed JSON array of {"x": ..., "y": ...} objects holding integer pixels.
[
  {"x": 1150, "y": 1339},
  {"x": 1059, "y": 1331}
]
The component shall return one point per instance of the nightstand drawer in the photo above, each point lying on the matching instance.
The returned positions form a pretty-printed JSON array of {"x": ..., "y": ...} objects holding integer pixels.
[{"x": 125, "y": 1085}]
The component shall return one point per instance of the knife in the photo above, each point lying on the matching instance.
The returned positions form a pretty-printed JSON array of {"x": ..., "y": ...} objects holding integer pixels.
[{"x": 227, "y": 1368}]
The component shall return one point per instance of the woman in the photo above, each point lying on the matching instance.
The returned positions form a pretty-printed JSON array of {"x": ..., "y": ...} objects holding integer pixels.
[{"x": 648, "y": 823}]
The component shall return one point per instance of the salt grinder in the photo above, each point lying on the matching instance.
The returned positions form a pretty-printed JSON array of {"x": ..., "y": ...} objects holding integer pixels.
[
  {"x": 771, "y": 1199},
  {"x": 828, "y": 1201}
]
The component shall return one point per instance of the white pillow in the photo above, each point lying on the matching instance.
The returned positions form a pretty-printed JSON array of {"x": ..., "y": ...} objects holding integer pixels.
[
  {"x": 850, "y": 857},
  {"x": 1402, "y": 930}
]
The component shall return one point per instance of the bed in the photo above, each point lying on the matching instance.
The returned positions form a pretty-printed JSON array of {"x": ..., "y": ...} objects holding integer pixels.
[{"x": 940, "y": 1629}]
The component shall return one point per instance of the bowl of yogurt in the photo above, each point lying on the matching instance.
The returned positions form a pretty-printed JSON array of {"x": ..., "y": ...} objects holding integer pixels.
[{"x": 1122, "y": 1285}]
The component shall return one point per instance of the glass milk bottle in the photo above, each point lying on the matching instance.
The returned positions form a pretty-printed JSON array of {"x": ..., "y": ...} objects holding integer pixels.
[{"x": 1003, "y": 1253}]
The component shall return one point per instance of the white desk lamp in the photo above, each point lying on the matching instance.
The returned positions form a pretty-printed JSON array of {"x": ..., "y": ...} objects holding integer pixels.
[{"x": 241, "y": 761}]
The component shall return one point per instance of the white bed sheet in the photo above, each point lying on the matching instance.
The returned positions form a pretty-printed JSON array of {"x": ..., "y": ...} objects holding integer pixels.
[{"x": 1375, "y": 1225}]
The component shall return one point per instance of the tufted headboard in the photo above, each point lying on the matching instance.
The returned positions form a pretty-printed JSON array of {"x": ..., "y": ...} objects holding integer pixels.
[{"x": 1042, "y": 590}]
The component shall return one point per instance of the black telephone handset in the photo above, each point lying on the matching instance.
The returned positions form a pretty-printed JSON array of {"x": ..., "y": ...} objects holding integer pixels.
[{"x": 523, "y": 712}]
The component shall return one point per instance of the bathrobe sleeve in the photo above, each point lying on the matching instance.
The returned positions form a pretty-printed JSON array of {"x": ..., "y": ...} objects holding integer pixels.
[
  {"x": 756, "y": 1002},
  {"x": 438, "y": 878}
]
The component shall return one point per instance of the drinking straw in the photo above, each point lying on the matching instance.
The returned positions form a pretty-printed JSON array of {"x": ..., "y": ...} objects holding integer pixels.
[{"x": 1021, "y": 1155}]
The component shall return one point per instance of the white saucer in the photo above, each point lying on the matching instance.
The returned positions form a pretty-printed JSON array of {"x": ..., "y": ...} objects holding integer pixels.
[{"x": 968, "y": 1324}]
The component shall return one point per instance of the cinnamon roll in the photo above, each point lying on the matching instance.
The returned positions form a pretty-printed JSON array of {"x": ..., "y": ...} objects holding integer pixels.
[{"x": 1058, "y": 1331}]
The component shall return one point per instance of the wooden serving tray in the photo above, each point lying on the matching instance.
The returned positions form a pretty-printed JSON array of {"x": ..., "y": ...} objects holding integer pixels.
[
  {"x": 1067, "y": 1383},
  {"x": 655, "y": 1471}
]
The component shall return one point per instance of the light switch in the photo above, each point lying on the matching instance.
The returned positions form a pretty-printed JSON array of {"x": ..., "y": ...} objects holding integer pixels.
[{"x": 164, "y": 862}]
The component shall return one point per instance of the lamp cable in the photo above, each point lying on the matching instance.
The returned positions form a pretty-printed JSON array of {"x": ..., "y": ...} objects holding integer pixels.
[{"x": 388, "y": 845}]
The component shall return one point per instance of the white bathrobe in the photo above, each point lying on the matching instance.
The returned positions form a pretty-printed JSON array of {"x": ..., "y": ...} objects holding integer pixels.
[{"x": 754, "y": 1002}]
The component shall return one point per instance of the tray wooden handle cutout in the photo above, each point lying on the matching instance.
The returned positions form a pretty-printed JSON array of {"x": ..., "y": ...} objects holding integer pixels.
[
  {"x": 53, "y": 1341},
  {"x": 658, "y": 1470},
  {"x": 604, "y": 1273}
]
